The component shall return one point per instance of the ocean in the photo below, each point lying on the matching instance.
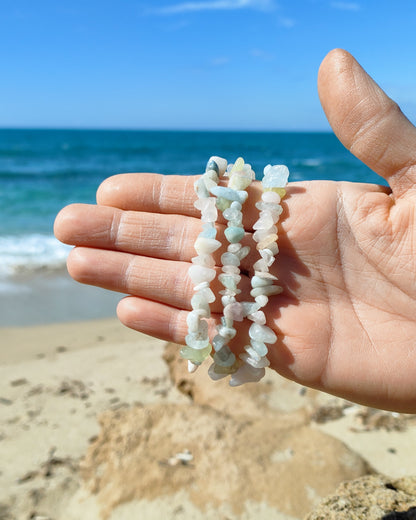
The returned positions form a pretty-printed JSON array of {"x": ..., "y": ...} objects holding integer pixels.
[{"x": 41, "y": 171}]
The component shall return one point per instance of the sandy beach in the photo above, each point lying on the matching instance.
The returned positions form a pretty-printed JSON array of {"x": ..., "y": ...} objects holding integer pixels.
[{"x": 100, "y": 422}]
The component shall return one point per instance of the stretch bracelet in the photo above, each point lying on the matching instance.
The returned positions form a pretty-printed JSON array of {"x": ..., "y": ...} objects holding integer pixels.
[
  {"x": 202, "y": 271},
  {"x": 250, "y": 365},
  {"x": 262, "y": 283},
  {"x": 230, "y": 200}
]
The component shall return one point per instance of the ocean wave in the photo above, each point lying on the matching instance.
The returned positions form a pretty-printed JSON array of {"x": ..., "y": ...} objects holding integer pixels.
[{"x": 21, "y": 254}]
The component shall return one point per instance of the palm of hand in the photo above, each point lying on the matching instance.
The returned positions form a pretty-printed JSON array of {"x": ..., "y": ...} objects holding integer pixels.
[
  {"x": 349, "y": 322},
  {"x": 346, "y": 320}
]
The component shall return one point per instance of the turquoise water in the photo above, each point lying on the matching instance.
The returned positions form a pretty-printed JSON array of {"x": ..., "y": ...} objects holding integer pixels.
[{"x": 43, "y": 170}]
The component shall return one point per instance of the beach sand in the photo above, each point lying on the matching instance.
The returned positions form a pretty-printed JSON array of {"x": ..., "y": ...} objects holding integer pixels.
[{"x": 101, "y": 422}]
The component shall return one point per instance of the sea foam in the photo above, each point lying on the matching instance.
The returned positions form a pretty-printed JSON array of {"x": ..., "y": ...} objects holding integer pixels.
[{"x": 25, "y": 254}]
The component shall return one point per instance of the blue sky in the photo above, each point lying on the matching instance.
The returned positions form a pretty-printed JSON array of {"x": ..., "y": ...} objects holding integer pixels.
[{"x": 197, "y": 64}]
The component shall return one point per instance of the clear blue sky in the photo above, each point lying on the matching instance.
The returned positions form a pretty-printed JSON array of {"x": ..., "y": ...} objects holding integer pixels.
[{"x": 197, "y": 64}]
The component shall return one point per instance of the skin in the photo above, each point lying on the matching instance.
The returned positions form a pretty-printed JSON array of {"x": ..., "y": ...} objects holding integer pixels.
[{"x": 346, "y": 320}]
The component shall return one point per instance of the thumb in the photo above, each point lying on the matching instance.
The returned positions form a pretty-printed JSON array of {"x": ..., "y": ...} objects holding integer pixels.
[{"x": 367, "y": 121}]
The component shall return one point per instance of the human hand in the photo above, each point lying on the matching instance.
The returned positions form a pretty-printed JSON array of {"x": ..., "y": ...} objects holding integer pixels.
[{"x": 346, "y": 321}]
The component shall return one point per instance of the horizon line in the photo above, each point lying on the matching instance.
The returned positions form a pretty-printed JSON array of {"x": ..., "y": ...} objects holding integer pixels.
[{"x": 168, "y": 129}]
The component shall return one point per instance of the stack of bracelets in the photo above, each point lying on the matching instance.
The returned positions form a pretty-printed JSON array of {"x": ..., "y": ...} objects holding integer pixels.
[{"x": 250, "y": 365}]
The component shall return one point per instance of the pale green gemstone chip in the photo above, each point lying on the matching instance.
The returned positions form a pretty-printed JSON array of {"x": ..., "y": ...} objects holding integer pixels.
[
  {"x": 196, "y": 356},
  {"x": 234, "y": 234},
  {"x": 197, "y": 341}
]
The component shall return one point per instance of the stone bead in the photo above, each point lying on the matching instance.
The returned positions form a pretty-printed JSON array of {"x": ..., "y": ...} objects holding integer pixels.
[
  {"x": 280, "y": 191},
  {"x": 223, "y": 204},
  {"x": 227, "y": 332},
  {"x": 208, "y": 230},
  {"x": 235, "y": 311},
  {"x": 216, "y": 372},
  {"x": 267, "y": 243},
  {"x": 224, "y": 357},
  {"x": 257, "y": 281},
  {"x": 261, "y": 234},
  {"x": 240, "y": 181},
  {"x": 206, "y": 294},
  {"x": 268, "y": 256},
  {"x": 262, "y": 333},
  {"x": 275, "y": 210},
  {"x": 274, "y": 248},
  {"x": 225, "y": 193},
  {"x": 200, "y": 188},
  {"x": 262, "y": 300},
  {"x": 205, "y": 245},
  {"x": 230, "y": 259},
  {"x": 238, "y": 165},
  {"x": 209, "y": 183},
  {"x": 200, "y": 286},
  {"x": 212, "y": 174},
  {"x": 242, "y": 196},
  {"x": 226, "y": 321},
  {"x": 199, "y": 273},
  {"x": 212, "y": 165},
  {"x": 205, "y": 203},
  {"x": 205, "y": 260},
  {"x": 192, "y": 320},
  {"x": 237, "y": 222},
  {"x": 220, "y": 162},
  {"x": 227, "y": 299},
  {"x": 209, "y": 215},
  {"x": 261, "y": 363},
  {"x": 234, "y": 248},
  {"x": 261, "y": 265},
  {"x": 247, "y": 374},
  {"x": 275, "y": 176},
  {"x": 259, "y": 347},
  {"x": 199, "y": 303},
  {"x": 258, "y": 317},
  {"x": 230, "y": 281},
  {"x": 196, "y": 356},
  {"x": 252, "y": 353},
  {"x": 218, "y": 342},
  {"x": 268, "y": 290},
  {"x": 266, "y": 275},
  {"x": 264, "y": 222},
  {"x": 270, "y": 197},
  {"x": 250, "y": 307},
  {"x": 229, "y": 284},
  {"x": 236, "y": 205},
  {"x": 195, "y": 342},
  {"x": 234, "y": 234},
  {"x": 225, "y": 292},
  {"x": 243, "y": 252},
  {"x": 231, "y": 213},
  {"x": 230, "y": 269}
]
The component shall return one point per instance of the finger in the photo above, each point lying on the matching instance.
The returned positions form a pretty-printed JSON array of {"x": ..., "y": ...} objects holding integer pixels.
[
  {"x": 166, "y": 194},
  {"x": 367, "y": 121},
  {"x": 168, "y": 323},
  {"x": 154, "y": 318},
  {"x": 169, "y": 237},
  {"x": 158, "y": 280}
]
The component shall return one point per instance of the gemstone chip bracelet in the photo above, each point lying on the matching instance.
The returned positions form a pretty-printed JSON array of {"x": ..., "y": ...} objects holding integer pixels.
[
  {"x": 265, "y": 235},
  {"x": 230, "y": 200},
  {"x": 250, "y": 365},
  {"x": 202, "y": 271}
]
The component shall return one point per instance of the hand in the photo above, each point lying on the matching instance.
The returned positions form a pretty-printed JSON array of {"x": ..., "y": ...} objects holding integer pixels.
[{"x": 346, "y": 320}]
